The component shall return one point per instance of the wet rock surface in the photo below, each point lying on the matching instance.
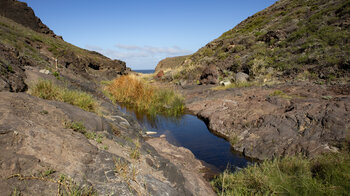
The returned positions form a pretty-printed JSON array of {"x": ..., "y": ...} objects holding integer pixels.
[{"x": 286, "y": 119}]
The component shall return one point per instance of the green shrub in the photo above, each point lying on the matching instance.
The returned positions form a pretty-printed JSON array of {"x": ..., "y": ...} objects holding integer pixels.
[
  {"x": 328, "y": 174},
  {"x": 56, "y": 74},
  {"x": 10, "y": 69},
  {"x": 45, "y": 89}
]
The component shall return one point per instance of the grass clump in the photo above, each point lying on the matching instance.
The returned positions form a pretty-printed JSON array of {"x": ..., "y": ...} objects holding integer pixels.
[
  {"x": 328, "y": 174},
  {"x": 279, "y": 93},
  {"x": 135, "y": 152},
  {"x": 76, "y": 126},
  {"x": 80, "y": 127},
  {"x": 45, "y": 89},
  {"x": 65, "y": 185},
  {"x": 144, "y": 97}
]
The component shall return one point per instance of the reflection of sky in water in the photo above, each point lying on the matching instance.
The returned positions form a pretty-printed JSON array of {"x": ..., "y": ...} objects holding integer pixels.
[{"x": 192, "y": 133}]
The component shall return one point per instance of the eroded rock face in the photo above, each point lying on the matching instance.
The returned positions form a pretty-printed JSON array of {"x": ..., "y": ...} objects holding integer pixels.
[
  {"x": 34, "y": 139},
  {"x": 289, "y": 119},
  {"x": 24, "y": 15},
  {"x": 209, "y": 75},
  {"x": 11, "y": 70}
]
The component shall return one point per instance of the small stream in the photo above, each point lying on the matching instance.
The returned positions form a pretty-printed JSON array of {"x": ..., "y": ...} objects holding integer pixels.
[{"x": 192, "y": 133}]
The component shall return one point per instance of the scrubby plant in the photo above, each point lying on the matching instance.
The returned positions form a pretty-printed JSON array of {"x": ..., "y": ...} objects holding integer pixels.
[
  {"x": 135, "y": 152},
  {"x": 144, "y": 97},
  {"x": 76, "y": 126},
  {"x": 327, "y": 174},
  {"x": 279, "y": 93},
  {"x": 56, "y": 74},
  {"x": 46, "y": 89}
]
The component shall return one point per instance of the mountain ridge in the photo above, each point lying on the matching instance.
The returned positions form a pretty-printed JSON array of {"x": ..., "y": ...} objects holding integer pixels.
[
  {"x": 285, "y": 40},
  {"x": 22, "y": 14}
]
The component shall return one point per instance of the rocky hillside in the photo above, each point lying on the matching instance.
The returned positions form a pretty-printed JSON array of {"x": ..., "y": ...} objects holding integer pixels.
[
  {"x": 288, "y": 39},
  {"x": 170, "y": 63},
  {"x": 24, "y": 15},
  {"x": 25, "y": 41}
]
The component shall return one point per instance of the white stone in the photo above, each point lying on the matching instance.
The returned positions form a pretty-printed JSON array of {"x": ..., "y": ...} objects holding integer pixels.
[{"x": 151, "y": 132}]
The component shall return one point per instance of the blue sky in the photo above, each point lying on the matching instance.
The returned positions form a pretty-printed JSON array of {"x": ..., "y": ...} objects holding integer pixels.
[{"x": 142, "y": 32}]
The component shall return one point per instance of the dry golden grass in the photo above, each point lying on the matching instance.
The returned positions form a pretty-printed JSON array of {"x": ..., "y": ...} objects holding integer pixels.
[{"x": 144, "y": 97}]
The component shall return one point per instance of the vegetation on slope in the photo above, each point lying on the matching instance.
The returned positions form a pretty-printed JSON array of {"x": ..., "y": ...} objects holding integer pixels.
[
  {"x": 170, "y": 63},
  {"x": 328, "y": 174},
  {"x": 284, "y": 40},
  {"x": 130, "y": 90},
  {"x": 45, "y": 89},
  {"x": 41, "y": 50}
]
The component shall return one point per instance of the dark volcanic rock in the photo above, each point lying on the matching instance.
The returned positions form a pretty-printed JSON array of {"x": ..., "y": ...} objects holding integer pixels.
[
  {"x": 11, "y": 70},
  {"x": 209, "y": 75},
  {"x": 24, "y": 15},
  {"x": 305, "y": 119}
]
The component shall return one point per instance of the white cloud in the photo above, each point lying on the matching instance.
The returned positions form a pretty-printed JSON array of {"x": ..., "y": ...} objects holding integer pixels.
[
  {"x": 140, "y": 57},
  {"x": 153, "y": 50}
]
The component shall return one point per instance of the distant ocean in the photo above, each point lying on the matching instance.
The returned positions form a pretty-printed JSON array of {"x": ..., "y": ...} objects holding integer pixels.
[{"x": 146, "y": 71}]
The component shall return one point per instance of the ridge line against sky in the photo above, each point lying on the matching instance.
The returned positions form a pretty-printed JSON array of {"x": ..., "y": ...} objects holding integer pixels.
[{"x": 142, "y": 33}]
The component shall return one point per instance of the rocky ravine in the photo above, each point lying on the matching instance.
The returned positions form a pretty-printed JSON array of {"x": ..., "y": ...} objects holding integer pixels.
[
  {"x": 53, "y": 148},
  {"x": 278, "y": 120}
]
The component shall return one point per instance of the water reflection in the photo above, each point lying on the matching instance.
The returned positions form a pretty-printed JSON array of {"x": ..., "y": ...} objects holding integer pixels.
[
  {"x": 146, "y": 119},
  {"x": 192, "y": 133}
]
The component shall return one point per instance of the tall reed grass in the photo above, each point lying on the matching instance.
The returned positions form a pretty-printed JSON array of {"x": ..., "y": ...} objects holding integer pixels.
[{"x": 144, "y": 97}]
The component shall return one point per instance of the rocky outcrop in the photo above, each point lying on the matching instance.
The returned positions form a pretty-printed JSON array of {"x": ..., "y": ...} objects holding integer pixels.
[
  {"x": 287, "y": 119},
  {"x": 209, "y": 75},
  {"x": 24, "y": 15},
  {"x": 11, "y": 70},
  {"x": 241, "y": 77},
  {"x": 170, "y": 63},
  {"x": 190, "y": 167},
  {"x": 42, "y": 155}
]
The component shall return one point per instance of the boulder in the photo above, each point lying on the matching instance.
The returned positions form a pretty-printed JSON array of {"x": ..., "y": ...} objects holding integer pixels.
[
  {"x": 225, "y": 83},
  {"x": 209, "y": 75},
  {"x": 241, "y": 77},
  {"x": 159, "y": 75}
]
